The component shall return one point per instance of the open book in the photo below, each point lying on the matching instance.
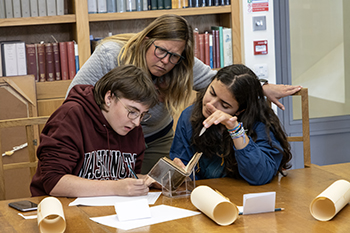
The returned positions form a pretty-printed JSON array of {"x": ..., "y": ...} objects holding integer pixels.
[{"x": 165, "y": 168}]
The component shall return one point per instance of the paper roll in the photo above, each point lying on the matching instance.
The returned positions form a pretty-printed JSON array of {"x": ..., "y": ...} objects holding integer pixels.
[
  {"x": 326, "y": 205},
  {"x": 50, "y": 216},
  {"x": 214, "y": 205}
]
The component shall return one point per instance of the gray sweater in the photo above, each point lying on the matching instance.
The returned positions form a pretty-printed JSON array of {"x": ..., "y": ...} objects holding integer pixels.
[{"x": 105, "y": 58}]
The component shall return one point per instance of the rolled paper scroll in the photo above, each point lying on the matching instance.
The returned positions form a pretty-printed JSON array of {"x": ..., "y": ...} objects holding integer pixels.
[
  {"x": 214, "y": 205},
  {"x": 50, "y": 216},
  {"x": 326, "y": 205}
]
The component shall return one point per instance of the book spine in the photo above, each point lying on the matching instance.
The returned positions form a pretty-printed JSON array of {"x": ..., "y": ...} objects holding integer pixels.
[
  {"x": 25, "y": 4},
  {"x": 196, "y": 43},
  {"x": 76, "y": 54},
  {"x": 211, "y": 50},
  {"x": 41, "y": 62},
  {"x": 71, "y": 59},
  {"x": 201, "y": 47},
  {"x": 184, "y": 3},
  {"x": 51, "y": 7},
  {"x": 167, "y": 4},
  {"x": 92, "y": 6},
  {"x": 160, "y": 5},
  {"x": 42, "y": 7},
  {"x": 138, "y": 5},
  {"x": 227, "y": 44},
  {"x": 63, "y": 60},
  {"x": 9, "y": 59},
  {"x": 217, "y": 48},
  {"x": 21, "y": 58},
  {"x": 154, "y": 4},
  {"x": 216, "y": 2},
  {"x": 16, "y": 8},
  {"x": 227, "y": 2},
  {"x": 214, "y": 48},
  {"x": 60, "y": 7},
  {"x": 56, "y": 58},
  {"x": 149, "y": 4},
  {"x": 209, "y": 2},
  {"x": 66, "y": 10},
  {"x": 222, "y": 2},
  {"x": 121, "y": 7},
  {"x": 111, "y": 6},
  {"x": 32, "y": 65},
  {"x": 8, "y": 9},
  {"x": 130, "y": 5},
  {"x": 206, "y": 49},
  {"x": 101, "y": 6},
  {"x": 2, "y": 12},
  {"x": 34, "y": 8},
  {"x": 145, "y": 5},
  {"x": 221, "y": 43},
  {"x": 196, "y": 3},
  {"x": 1, "y": 73},
  {"x": 50, "y": 64}
]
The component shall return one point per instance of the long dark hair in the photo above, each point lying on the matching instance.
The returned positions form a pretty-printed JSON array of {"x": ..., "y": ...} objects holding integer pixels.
[{"x": 246, "y": 89}]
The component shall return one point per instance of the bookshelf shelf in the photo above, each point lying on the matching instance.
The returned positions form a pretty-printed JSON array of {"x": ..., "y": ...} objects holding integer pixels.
[{"x": 44, "y": 20}]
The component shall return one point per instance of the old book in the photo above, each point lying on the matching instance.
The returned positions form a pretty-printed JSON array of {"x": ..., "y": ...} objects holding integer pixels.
[
  {"x": 201, "y": 47},
  {"x": 166, "y": 166},
  {"x": 220, "y": 44},
  {"x": 41, "y": 62},
  {"x": 196, "y": 43},
  {"x": 71, "y": 59},
  {"x": 32, "y": 61},
  {"x": 154, "y": 4},
  {"x": 63, "y": 60},
  {"x": 227, "y": 46},
  {"x": 21, "y": 58},
  {"x": 160, "y": 5},
  {"x": 167, "y": 4},
  {"x": 9, "y": 58},
  {"x": 206, "y": 49},
  {"x": 50, "y": 64},
  {"x": 56, "y": 58}
]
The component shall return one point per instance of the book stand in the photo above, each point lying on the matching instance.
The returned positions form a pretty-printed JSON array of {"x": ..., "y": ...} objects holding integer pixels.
[{"x": 183, "y": 190}]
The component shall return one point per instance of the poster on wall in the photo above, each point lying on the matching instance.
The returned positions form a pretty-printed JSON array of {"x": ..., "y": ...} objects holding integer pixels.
[{"x": 258, "y": 6}]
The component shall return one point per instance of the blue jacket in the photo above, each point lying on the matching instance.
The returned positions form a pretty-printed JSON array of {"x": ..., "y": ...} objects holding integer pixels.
[{"x": 257, "y": 163}]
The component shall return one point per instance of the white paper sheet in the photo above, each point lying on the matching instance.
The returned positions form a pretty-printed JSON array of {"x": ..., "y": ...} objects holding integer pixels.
[
  {"x": 131, "y": 210},
  {"x": 254, "y": 203},
  {"x": 111, "y": 200},
  {"x": 160, "y": 213}
]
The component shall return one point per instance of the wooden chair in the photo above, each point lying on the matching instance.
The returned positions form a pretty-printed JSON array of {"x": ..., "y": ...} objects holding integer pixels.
[
  {"x": 30, "y": 124},
  {"x": 305, "y": 138}
]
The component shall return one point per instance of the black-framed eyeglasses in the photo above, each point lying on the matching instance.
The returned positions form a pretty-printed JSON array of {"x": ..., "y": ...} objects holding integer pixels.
[
  {"x": 132, "y": 115},
  {"x": 161, "y": 53}
]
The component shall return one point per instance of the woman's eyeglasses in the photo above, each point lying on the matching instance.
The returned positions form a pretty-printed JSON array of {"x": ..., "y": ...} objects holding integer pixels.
[
  {"x": 161, "y": 53},
  {"x": 132, "y": 115}
]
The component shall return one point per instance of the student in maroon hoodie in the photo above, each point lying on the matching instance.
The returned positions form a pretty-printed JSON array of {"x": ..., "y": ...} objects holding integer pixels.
[{"x": 88, "y": 143}]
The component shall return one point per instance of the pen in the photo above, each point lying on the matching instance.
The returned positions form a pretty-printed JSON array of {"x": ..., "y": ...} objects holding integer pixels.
[
  {"x": 132, "y": 171},
  {"x": 277, "y": 209}
]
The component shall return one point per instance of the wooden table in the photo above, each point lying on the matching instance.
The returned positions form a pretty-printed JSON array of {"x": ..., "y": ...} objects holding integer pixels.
[{"x": 294, "y": 193}]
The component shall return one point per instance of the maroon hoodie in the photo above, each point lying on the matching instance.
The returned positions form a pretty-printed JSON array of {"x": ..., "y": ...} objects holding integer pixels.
[{"x": 78, "y": 140}]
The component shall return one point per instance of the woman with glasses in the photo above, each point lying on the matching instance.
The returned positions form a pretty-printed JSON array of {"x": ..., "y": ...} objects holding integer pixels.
[
  {"x": 93, "y": 145},
  {"x": 164, "y": 49}
]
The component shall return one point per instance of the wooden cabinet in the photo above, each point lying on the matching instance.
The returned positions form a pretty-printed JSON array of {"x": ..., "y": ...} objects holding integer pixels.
[{"x": 78, "y": 25}]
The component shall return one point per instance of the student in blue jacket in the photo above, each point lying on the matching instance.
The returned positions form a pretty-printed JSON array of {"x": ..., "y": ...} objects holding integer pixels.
[{"x": 243, "y": 138}]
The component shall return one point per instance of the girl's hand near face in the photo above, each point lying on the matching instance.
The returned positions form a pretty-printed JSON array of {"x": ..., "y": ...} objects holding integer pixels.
[{"x": 218, "y": 117}]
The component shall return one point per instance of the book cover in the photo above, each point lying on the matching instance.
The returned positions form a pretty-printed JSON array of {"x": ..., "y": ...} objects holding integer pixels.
[
  {"x": 209, "y": 2},
  {"x": 76, "y": 53},
  {"x": 221, "y": 41},
  {"x": 2, "y": 10},
  {"x": 130, "y": 5},
  {"x": 121, "y": 6},
  {"x": 227, "y": 44},
  {"x": 145, "y": 5},
  {"x": 9, "y": 58},
  {"x": 154, "y": 4},
  {"x": 101, "y": 6},
  {"x": 160, "y": 4},
  {"x": 8, "y": 9},
  {"x": 21, "y": 58},
  {"x": 206, "y": 49},
  {"x": 164, "y": 166},
  {"x": 196, "y": 3},
  {"x": 111, "y": 6},
  {"x": 184, "y": 3},
  {"x": 92, "y": 6},
  {"x": 71, "y": 59},
  {"x": 41, "y": 62},
  {"x": 174, "y": 4},
  {"x": 51, "y": 7},
  {"x": 216, "y": 2},
  {"x": 139, "y": 5},
  {"x": 167, "y": 4},
  {"x": 211, "y": 50},
  {"x": 196, "y": 43},
  {"x": 63, "y": 60},
  {"x": 50, "y": 63},
  {"x": 34, "y": 8},
  {"x": 16, "y": 4},
  {"x": 59, "y": 7},
  {"x": 25, "y": 6},
  {"x": 56, "y": 58},
  {"x": 42, "y": 7},
  {"x": 201, "y": 47}
]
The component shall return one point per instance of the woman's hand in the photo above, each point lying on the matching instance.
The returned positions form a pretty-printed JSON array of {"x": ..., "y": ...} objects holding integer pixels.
[
  {"x": 218, "y": 117},
  {"x": 276, "y": 91},
  {"x": 133, "y": 187}
]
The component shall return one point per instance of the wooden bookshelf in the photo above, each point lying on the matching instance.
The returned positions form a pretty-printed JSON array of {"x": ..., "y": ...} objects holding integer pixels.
[{"x": 78, "y": 26}]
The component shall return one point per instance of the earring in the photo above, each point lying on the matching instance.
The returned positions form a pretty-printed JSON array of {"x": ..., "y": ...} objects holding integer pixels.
[{"x": 108, "y": 104}]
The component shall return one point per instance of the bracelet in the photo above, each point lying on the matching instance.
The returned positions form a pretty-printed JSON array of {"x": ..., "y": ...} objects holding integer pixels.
[
  {"x": 235, "y": 128},
  {"x": 239, "y": 132}
]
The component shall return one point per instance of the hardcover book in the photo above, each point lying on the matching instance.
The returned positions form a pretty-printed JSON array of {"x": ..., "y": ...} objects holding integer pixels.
[
  {"x": 63, "y": 60},
  {"x": 71, "y": 59},
  {"x": 34, "y": 8},
  {"x": 25, "y": 4},
  {"x": 164, "y": 166},
  {"x": 41, "y": 62},
  {"x": 50, "y": 64},
  {"x": 56, "y": 58},
  {"x": 220, "y": 44},
  {"x": 227, "y": 44}
]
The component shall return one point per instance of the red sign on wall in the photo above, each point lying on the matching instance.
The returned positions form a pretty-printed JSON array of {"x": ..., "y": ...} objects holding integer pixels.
[{"x": 260, "y": 47}]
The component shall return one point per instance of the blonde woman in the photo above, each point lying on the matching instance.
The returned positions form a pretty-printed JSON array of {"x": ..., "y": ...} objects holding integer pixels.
[{"x": 164, "y": 49}]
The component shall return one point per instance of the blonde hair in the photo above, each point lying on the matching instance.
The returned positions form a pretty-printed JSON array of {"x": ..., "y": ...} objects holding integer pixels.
[{"x": 180, "y": 79}]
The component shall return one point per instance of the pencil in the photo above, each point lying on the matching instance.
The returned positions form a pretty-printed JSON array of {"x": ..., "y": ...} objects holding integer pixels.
[
  {"x": 132, "y": 171},
  {"x": 277, "y": 209}
]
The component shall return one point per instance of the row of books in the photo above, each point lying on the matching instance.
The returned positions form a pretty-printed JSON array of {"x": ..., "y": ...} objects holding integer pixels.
[
  {"x": 109, "y": 6},
  {"x": 31, "y": 8},
  {"x": 215, "y": 48},
  {"x": 46, "y": 61}
]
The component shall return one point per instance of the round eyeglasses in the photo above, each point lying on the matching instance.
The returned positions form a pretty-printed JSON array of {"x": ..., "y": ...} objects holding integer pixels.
[
  {"x": 161, "y": 53},
  {"x": 132, "y": 115}
]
